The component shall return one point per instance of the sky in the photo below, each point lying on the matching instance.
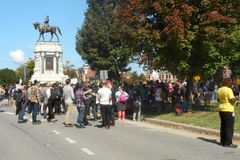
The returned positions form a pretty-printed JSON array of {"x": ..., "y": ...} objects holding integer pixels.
[{"x": 18, "y": 36}]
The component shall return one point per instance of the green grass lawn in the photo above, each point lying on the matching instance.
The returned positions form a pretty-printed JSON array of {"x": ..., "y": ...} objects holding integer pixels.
[{"x": 203, "y": 117}]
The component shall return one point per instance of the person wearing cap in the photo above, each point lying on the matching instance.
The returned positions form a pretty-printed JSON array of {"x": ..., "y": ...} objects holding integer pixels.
[{"x": 34, "y": 99}]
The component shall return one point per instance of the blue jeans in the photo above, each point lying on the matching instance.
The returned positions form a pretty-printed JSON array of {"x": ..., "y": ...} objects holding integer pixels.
[
  {"x": 81, "y": 111},
  {"x": 21, "y": 113},
  {"x": 35, "y": 109}
]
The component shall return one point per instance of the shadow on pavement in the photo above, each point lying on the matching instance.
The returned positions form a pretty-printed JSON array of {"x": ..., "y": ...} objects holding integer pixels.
[{"x": 209, "y": 140}]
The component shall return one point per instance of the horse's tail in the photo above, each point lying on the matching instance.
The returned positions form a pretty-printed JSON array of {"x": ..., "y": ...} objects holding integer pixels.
[{"x": 59, "y": 31}]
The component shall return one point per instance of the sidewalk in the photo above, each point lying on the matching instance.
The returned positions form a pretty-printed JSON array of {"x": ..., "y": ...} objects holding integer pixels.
[{"x": 190, "y": 128}]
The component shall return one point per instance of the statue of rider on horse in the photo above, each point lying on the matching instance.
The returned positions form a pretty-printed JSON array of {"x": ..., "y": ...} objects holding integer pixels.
[
  {"x": 44, "y": 28},
  {"x": 46, "y": 22}
]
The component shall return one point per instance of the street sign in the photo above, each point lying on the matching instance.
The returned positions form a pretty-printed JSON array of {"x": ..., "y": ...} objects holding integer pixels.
[{"x": 103, "y": 75}]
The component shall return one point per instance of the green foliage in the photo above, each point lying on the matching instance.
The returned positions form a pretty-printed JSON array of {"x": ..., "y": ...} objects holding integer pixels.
[
  {"x": 29, "y": 70},
  {"x": 7, "y": 77},
  {"x": 184, "y": 37},
  {"x": 68, "y": 69},
  {"x": 137, "y": 78},
  {"x": 97, "y": 40}
]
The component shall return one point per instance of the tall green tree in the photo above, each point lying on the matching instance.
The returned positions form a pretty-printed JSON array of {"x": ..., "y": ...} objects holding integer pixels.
[
  {"x": 68, "y": 69},
  {"x": 29, "y": 70},
  {"x": 135, "y": 77},
  {"x": 7, "y": 77},
  {"x": 97, "y": 41},
  {"x": 186, "y": 37}
]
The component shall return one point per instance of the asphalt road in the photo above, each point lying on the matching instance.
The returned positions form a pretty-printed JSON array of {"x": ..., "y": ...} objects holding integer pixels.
[{"x": 126, "y": 141}]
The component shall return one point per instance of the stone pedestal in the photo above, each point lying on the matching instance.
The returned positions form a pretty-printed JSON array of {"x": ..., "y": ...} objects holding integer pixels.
[{"x": 48, "y": 62}]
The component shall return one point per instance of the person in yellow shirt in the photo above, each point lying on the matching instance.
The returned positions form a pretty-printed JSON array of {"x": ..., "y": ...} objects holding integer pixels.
[{"x": 226, "y": 101}]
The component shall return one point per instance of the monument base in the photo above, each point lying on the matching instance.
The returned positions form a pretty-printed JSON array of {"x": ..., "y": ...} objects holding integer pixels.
[
  {"x": 49, "y": 77},
  {"x": 48, "y": 62}
]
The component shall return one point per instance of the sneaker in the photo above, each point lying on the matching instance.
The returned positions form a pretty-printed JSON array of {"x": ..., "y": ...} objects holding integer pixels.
[
  {"x": 52, "y": 120},
  {"x": 22, "y": 121},
  {"x": 112, "y": 123},
  {"x": 68, "y": 125},
  {"x": 107, "y": 127},
  {"x": 231, "y": 146},
  {"x": 87, "y": 124},
  {"x": 37, "y": 122},
  {"x": 80, "y": 126}
]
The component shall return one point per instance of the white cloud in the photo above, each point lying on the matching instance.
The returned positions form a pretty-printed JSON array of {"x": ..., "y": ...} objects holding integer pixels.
[{"x": 17, "y": 56}]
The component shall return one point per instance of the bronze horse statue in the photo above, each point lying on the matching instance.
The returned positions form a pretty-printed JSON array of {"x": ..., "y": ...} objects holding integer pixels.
[{"x": 45, "y": 29}]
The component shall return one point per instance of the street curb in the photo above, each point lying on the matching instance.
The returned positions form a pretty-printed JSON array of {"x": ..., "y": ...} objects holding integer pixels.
[{"x": 190, "y": 128}]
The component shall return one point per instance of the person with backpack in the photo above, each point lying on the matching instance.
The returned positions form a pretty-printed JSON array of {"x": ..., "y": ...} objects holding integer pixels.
[
  {"x": 43, "y": 91},
  {"x": 21, "y": 104},
  {"x": 50, "y": 104},
  {"x": 80, "y": 103},
  {"x": 56, "y": 96},
  {"x": 121, "y": 100},
  {"x": 137, "y": 104}
]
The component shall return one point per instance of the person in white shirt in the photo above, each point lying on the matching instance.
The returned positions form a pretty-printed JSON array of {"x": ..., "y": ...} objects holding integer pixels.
[{"x": 104, "y": 95}]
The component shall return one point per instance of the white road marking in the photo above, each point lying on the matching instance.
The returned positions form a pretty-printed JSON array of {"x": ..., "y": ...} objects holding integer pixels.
[
  {"x": 87, "y": 151},
  {"x": 70, "y": 140},
  {"x": 56, "y": 132},
  {"x": 11, "y": 113}
]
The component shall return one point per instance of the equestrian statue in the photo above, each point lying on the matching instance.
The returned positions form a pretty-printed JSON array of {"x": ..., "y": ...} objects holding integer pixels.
[{"x": 45, "y": 28}]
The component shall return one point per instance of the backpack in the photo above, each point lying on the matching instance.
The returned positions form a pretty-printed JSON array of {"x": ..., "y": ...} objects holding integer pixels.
[
  {"x": 17, "y": 96},
  {"x": 43, "y": 94},
  {"x": 211, "y": 86},
  {"x": 56, "y": 93},
  {"x": 122, "y": 97}
]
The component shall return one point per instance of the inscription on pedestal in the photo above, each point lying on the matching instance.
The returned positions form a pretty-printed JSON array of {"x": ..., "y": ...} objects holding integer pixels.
[{"x": 49, "y": 63}]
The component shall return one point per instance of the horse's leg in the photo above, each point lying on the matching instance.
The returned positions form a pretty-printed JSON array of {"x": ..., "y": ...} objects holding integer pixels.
[
  {"x": 51, "y": 36},
  {"x": 56, "y": 36},
  {"x": 39, "y": 37}
]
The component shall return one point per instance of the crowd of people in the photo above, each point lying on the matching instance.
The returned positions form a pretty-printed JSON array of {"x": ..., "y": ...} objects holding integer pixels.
[
  {"x": 108, "y": 102},
  {"x": 50, "y": 99},
  {"x": 47, "y": 100}
]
